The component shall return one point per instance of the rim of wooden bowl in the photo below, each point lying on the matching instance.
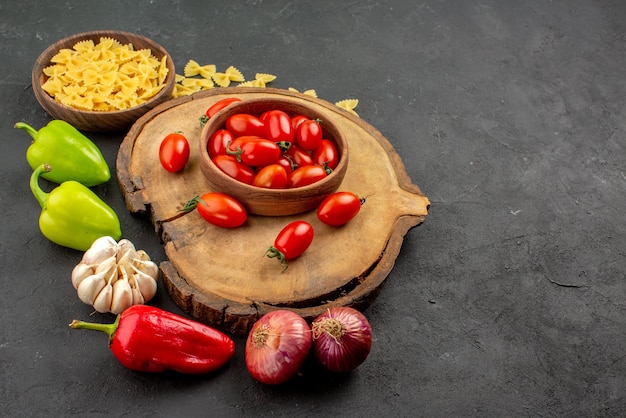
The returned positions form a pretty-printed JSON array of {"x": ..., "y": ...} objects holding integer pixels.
[
  {"x": 92, "y": 120},
  {"x": 292, "y": 107}
]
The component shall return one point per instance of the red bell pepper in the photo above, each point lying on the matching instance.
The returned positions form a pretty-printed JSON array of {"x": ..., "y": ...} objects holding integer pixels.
[{"x": 148, "y": 339}]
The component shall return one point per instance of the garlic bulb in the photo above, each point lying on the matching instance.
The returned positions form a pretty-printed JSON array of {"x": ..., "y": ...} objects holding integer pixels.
[{"x": 113, "y": 276}]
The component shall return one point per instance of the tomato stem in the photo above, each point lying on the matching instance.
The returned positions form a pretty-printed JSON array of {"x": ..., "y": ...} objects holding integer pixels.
[
  {"x": 283, "y": 145},
  {"x": 237, "y": 153},
  {"x": 291, "y": 162},
  {"x": 191, "y": 204},
  {"x": 273, "y": 252}
]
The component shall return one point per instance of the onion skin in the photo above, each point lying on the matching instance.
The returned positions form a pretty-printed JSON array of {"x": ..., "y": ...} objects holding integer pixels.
[
  {"x": 277, "y": 346},
  {"x": 342, "y": 339}
]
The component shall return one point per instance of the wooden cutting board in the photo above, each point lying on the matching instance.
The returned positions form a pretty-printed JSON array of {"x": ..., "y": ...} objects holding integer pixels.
[{"x": 221, "y": 276}]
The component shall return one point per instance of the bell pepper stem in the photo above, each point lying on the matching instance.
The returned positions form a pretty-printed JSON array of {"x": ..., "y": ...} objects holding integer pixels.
[
  {"x": 108, "y": 329},
  {"x": 31, "y": 131},
  {"x": 39, "y": 194}
]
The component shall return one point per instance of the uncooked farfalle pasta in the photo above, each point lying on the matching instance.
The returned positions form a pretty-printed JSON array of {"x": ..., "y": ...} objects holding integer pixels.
[
  {"x": 197, "y": 77},
  {"x": 104, "y": 76}
]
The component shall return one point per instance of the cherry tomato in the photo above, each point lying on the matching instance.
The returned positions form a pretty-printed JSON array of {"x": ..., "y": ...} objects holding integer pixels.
[
  {"x": 239, "y": 171},
  {"x": 291, "y": 242},
  {"x": 221, "y": 210},
  {"x": 339, "y": 208},
  {"x": 273, "y": 176},
  {"x": 241, "y": 124},
  {"x": 309, "y": 135},
  {"x": 286, "y": 163},
  {"x": 239, "y": 141},
  {"x": 298, "y": 156},
  {"x": 278, "y": 126},
  {"x": 303, "y": 176},
  {"x": 174, "y": 152},
  {"x": 326, "y": 154},
  {"x": 216, "y": 107},
  {"x": 255, "y": 152},
  {"x": 297, "y": 120},
  {"x": 217, "y": 143},
  {"x": 264, "y": 115}
]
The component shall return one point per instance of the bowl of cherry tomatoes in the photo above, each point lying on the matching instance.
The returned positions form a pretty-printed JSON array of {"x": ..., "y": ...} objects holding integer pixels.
[{"x": 277, "y": 156}]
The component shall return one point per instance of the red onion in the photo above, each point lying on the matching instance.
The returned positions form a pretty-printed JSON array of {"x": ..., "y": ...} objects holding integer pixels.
[
  {"x": 342, "y": 339},
  {"x": 277, "y": 346}
]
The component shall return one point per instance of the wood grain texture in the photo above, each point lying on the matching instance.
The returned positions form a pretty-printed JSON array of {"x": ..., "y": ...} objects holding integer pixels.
[{"x": 222, "y": 276}]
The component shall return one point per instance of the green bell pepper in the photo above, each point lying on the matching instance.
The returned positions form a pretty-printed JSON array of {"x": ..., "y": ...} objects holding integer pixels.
[
  {"x": 72, "y": 215},
  {"x": 72, "y": 154}
]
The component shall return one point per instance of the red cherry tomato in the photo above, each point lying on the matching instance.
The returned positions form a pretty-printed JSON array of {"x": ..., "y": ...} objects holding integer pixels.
[
  {"x": 239, "y": 141},
  {"x": 216, "y": 107},
  {"x": 298, "y": 156},
  {"x": 303, "y": 176},
  {"x": 286, "y": 163},
  {"x": 174, "y": 152},
  {"x": 221, "y": 210},
  {"x": 291, "y": 242},
  {"x": 255, "y": 152},
  {"x": 239, "y": 171},
  {"x": 264, "y": 115},
  {"x": 217, "y": 143},
  {"x": 339, "y": 208},
  {"x": 278, "y": 126},
  {"x": 309, "y": 135},
  {"x": 273, "y": 176},
  {"x": 241, "y": 124},
  {"x": 297, "y": 120},
  {"x": 326, "y": 154}
]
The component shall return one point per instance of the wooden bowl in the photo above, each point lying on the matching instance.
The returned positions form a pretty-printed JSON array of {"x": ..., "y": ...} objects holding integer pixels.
[
  {"x": 273, "y": 202},
  {"x": 100, "y": 120}
]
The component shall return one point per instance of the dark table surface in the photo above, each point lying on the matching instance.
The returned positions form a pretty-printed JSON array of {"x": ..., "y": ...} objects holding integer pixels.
[{"x": 509, "y": 300}]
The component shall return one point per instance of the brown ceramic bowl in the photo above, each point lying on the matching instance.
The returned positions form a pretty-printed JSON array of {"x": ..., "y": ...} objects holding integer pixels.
[
  {"x": 100, "y": 120},
  {"x": 273, "y": 202}
]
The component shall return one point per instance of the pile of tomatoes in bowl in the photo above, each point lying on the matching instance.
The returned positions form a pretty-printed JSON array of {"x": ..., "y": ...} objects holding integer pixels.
[
  {"x": 276, "y": 157},
  {"x": 273, "y": 150}
]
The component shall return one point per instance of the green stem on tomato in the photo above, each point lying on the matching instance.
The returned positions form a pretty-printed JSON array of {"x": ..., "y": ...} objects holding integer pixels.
[
  {"x": 283, "y": 145},
  {"x": 273, "y": 252},
  {"x": 237, "y": 153},
  {"x": 191, "y": 204}
]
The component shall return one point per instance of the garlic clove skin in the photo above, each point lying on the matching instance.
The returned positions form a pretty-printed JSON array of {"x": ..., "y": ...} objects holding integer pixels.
[
  {"x": 102, "y": 303},
  {"x": 80, "y": 273},
  {"x": 146, "y": 284},
  {"x": 90, "y": 287},
  {"x": 147, "y": 267},
  {"x": 138, "y": 298},
  {"x": 122, "y": 296},
  {"x": 107, "y": 266},
  {"x": 101, "y": 249},
  {"x": 125, "y": 257},
  {"x": 142, "y": 256},
  {"x": 125, "y": 245}
]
